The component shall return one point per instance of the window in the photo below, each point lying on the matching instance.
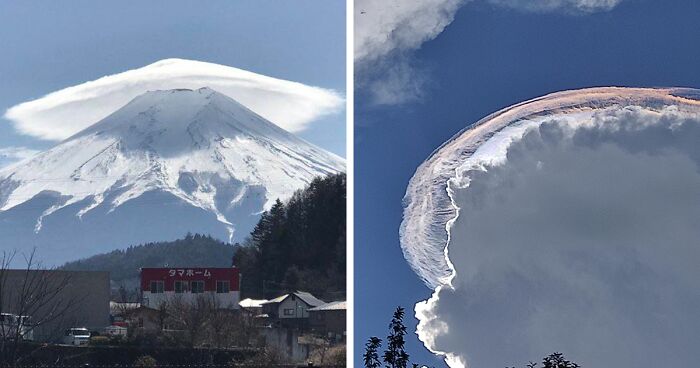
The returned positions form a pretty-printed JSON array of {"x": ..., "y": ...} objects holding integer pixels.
[
  {"x": 180, "y": 287},
  {"x": 197, "y": 287},
  {"x": 157, "y": 287},
  {"x": 223, "y": 287},
  {"x": 289, "y": 311}
]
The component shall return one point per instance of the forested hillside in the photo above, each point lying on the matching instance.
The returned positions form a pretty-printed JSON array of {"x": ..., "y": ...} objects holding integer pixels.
[
  {"x": 299, "y": 245},
  {"x": 191, "y": 251}
]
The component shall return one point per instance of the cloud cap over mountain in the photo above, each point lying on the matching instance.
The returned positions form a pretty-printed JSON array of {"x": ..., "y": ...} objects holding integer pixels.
[{"x": 58, "y": 115}]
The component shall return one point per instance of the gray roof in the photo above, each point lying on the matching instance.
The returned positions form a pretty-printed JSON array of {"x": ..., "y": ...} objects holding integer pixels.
[
  {"x": 278, "y": 299},
  {"x": 304, "y": 296},
  {"x": 340, "y": 305}
]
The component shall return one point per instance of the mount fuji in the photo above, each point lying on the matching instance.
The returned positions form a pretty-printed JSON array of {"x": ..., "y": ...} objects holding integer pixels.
[{"x": 166, "y": 163}]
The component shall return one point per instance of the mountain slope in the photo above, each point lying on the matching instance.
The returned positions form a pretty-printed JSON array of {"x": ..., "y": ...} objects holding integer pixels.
[{"x": 166, "y": 163}]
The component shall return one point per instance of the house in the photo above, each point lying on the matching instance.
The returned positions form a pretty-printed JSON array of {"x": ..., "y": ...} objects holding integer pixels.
[
  {"x": 329, "y": 320},
  {"x": 162, "y": 285},
  {"x": 148, "y": 319},
  {"x": 291, "y": 310}
]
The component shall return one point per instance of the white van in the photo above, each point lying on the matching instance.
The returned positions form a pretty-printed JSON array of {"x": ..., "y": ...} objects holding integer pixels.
[
  {"x": 9, "y": 323},
  {"x": 76, "y": 336}
]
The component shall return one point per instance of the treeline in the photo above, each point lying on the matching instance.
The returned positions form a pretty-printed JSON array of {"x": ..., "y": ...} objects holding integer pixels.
[
  {"x": 396, "y": 356},
  {"x": 299, "y": 245},
  {"x": 123, "y": 265}
]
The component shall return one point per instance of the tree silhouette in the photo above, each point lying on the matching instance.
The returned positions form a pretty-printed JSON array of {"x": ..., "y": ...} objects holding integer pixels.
[
  {"x": 371, "y": 357},
  {"x": 395, "y": 355},
  {"x": 554, "y": 360},
  {"x": 557, "y": 360}
]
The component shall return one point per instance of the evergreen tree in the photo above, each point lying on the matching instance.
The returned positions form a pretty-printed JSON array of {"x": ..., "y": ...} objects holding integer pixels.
[
  {"x": 395, "y": 355},
  {"x": 371, "y": 357},
  {"x": 554, "y": 360},
  {"x": 557, "y": 360},
  {"x": 299, "y": 244}
]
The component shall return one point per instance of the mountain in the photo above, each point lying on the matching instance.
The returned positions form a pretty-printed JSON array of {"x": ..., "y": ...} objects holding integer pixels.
[{"x": 166, "y": 163}]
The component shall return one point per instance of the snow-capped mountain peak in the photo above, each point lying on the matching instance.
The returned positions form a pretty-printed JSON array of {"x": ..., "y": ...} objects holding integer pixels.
[{"x": 196, "y": 147}]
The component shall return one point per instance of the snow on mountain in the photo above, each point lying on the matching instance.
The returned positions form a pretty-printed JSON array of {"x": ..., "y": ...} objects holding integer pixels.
[{"x": 168, "y": 162}]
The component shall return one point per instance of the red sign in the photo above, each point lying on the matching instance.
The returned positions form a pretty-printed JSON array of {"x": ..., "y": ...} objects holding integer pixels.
[{"x": 209, "y": 275}]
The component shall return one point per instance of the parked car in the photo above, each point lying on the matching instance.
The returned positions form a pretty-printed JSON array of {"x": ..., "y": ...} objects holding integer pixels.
[
  {"x": 77, "y": 336},
  {"x": 9, "y": 323}
]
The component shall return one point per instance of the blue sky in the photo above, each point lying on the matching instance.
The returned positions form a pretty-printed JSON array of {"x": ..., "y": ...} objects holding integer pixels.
[
  {"x": 488, "y": 58},
  {"x": 47, "y": 46}
]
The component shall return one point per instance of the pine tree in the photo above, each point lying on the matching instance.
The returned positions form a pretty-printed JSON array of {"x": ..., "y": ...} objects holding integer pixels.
[
  {"x": 554, "y": 360},
  {"x": 557, "y": 360},
  {"x": 371, "y": 357},
  {"x": 395, "y": 355},
  {"x": 299, "y": 243}
]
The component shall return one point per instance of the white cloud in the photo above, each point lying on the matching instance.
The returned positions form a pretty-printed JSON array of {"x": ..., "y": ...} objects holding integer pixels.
[
  {"x": 576, "y": 6},
  {"x": 576, "y": 232},
  {"x": 399, "y": 82},
  {"x": 384, "y": 27},
  {"x": 10, "y": 155},
  {"x": 388, "y": 32},
  {"x": 58, "y": 115}
]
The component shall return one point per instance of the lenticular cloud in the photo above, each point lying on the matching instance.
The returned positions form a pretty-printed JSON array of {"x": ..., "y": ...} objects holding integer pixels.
[
  {"x": 568, "y": 223},
  {"x": 59, "y": 115}
]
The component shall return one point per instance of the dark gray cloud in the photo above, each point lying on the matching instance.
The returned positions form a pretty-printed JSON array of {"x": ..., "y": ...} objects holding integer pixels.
[{"x": 585, "y": 241}]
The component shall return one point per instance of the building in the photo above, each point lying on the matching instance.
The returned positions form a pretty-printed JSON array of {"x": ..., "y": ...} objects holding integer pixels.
[
  {"x": 63, "y": 299},
  {"x": 148, "y": 319},
  {"x": 329, "y": 320},
  {"x": 119, "y": 312},
  {"x": 138, "y": 316},
  {"x": 252, "y": 307},
  {"x": 291, "y": 310},
  {"x": 159, "y": 285}
]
